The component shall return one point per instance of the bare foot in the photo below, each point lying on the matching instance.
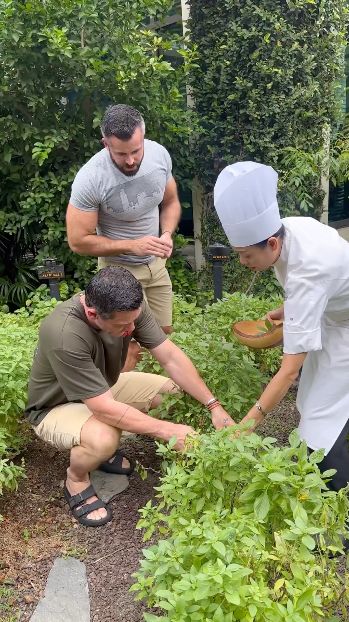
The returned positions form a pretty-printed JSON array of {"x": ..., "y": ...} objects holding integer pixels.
[{"x": 75, "y": 486}]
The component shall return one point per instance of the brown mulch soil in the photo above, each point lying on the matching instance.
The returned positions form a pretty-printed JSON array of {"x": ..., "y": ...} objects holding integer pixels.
[{"x": 37, "y": 528}]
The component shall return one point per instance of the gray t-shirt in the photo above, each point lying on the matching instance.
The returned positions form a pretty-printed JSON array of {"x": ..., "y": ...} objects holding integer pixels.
[
  {"x": 75, "y": 361},
  {"x": 128, "y": 207}
]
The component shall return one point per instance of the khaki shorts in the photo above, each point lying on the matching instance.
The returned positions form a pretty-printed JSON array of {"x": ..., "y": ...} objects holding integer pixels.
[
  {"x": 156, "y": 284},
  {"x": 62, "y": 425}
]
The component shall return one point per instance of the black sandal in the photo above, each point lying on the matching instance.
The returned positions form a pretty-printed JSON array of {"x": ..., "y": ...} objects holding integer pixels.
[
  {"x": 85, "y": 508},
  {"x": 115, "y": 465}
]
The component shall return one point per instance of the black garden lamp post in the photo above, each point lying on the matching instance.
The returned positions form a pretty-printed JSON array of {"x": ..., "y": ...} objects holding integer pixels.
[
  {"x": 52, "y": 272},
  {"x": 218, "y": 254}
]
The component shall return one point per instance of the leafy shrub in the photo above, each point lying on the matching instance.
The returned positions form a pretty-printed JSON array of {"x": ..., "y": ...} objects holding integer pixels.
[
  {"x": 18, "y": 337},
  {"x": 266, "y": 87},
  {"x": 61, "y": 64},
  {"x": 184, "y": 279},
  {"x": 234, "y": 373},
  {"x": 10, "y": 473},
  {"x": 266, "y": 78},
  {"x": 250, "y": 533}
]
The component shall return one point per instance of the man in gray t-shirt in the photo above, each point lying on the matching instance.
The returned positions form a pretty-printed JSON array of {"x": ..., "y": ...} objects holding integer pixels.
[{"x": 124, "y": 207}]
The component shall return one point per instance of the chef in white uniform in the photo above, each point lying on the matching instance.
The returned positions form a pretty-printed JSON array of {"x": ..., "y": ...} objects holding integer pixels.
[{"x": 311, "y": 262}]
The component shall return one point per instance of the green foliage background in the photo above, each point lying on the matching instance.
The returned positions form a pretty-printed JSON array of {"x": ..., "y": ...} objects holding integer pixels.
[
  {"x": 18, "y": 337},
  {"x": 61, "y": 63},
  {"x": 267, "y": 85}
]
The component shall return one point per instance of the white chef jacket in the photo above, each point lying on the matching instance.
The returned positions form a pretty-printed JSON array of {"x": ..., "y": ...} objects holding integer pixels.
[{"x": 313, "y": 269}]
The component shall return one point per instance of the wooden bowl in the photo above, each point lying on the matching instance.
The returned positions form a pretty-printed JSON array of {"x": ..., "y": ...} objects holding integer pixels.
[{"x": 256, "y": 334}]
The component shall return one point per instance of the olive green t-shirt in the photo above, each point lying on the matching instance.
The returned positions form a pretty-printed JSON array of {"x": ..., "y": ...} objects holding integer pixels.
[{"x": 74, "y": 361}]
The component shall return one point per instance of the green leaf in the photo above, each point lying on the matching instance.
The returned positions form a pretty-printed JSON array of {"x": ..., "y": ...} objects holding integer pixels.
[
  {"x": 7, "y": 154},
  {"x": 261, "y": 506},
  {"x": 171, "y": 443},
  {"x": 218, "y": 484},
  {"x": 218, "y": 615},
  {"x": 220, "y": 548},
  {"x": 305, "y": 598},
  {"x": 199, "y": 505},
  {"x": 233, "y": 598},
  {"x": 277, "y": 477},
  {"x": 294, "y": 439},
  {"x": 202, "y": 592},
  {"x": 309, "y": 542},
  {"x": 316, "y": 456}
]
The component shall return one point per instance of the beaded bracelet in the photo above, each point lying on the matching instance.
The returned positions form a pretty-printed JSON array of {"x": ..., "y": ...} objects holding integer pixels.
[
  {"x": 213, "y": 405},
  {"x": 213, "y": 399}
]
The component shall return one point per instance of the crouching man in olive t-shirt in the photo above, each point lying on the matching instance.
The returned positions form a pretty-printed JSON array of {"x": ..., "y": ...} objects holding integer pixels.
[{"x": 78, "y": 399}]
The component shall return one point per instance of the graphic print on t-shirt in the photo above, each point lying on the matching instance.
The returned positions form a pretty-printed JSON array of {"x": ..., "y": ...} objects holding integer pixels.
[{"x": 136, "y": 195}]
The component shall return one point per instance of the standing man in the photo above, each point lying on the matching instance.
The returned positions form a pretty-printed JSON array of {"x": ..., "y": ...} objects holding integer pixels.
[
  {"x": 311, "y": 262},
  {"x": 124, "y": 207},
  {"x": 79, "y": 400}
]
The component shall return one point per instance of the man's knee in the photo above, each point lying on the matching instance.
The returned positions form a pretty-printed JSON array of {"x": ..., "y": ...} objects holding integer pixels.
[
  {"x": 167, "y": 329},
  {"x": 100, "y": 438},
  {"x": 168, "y": 387}
]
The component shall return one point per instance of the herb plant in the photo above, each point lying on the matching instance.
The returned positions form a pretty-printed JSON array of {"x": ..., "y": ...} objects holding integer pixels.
[
  {"x": 234, "y": 373},
  {"x": 248, "y": 531},
  {"x": 18, "y": 337}
]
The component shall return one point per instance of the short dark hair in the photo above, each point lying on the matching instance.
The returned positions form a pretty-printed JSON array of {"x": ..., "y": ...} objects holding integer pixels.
[
  {"x": 279, "y": 234},
  {"x": 121, "y": 121},
  {"x": 113, "y": 289}
]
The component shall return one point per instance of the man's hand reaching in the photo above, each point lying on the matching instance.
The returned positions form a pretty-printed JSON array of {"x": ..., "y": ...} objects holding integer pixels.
[
  {"x": 178, "y": 430},
  {"x": 220, "y": 418}
]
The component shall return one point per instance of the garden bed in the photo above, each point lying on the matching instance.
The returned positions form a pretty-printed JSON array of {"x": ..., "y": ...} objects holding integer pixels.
[{"x": 37, "y": 529}]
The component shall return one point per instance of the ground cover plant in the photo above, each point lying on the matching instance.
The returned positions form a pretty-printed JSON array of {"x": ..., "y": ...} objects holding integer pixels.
[
  {"x": 18, "y": 337},
  {"x": 247, "y": 531},
  {"x": 234, "y": 373}
]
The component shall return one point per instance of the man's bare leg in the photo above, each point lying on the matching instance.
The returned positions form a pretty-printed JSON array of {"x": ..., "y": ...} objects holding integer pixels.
[
  {"x": 167, "y": 329},
  {"x": 168, "y": 387},
  {"x": 98, "y": 442},
  {"x": 134, "y": 353}
]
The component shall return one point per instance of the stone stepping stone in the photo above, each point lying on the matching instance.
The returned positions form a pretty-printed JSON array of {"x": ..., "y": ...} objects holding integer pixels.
[
  {"x": 66, "y": 594},
  {"x": 108, "y": 485}
]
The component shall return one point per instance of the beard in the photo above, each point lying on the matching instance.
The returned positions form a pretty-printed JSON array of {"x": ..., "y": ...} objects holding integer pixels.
[{"x": 129, "y": 172}]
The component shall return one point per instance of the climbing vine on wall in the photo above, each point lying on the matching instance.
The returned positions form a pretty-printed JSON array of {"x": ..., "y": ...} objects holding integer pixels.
[{"x": 267, "y": 79}]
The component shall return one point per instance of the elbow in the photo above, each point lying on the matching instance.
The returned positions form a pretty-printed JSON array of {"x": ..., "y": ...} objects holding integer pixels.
[
  {"x": 75, "y": 246},
  {"x": 293, "y": 375},
  {"x": 289, "y": 375},
  {"x": 99, "y": 414}
]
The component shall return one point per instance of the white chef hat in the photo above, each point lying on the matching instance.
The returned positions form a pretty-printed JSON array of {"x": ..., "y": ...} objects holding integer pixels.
[{"x": 245, "y": 201}]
